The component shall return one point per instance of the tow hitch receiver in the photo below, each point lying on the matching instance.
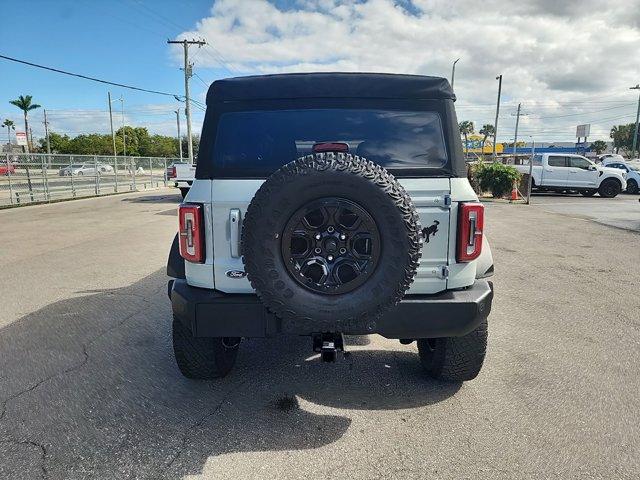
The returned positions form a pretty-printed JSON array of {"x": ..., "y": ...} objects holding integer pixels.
[{"x": 328, "y": 344}]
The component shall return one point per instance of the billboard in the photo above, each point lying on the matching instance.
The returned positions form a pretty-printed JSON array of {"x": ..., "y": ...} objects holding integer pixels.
[
  {"x": 21, "y": 138},
  {"x": 583, "y": 130}
]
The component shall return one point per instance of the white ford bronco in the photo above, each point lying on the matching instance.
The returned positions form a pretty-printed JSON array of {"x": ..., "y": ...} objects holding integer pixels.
[{"x": 327, "y": 204}]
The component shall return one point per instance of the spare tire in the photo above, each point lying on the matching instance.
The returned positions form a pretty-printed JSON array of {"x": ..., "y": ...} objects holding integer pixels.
[{"x": 331, "y": 241}]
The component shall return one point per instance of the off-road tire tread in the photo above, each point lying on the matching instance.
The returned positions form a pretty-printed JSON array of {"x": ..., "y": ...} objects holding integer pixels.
[
  {"x": 456, "y": 359},
  {"x": 200, "y": 358},
  {"x": 343, "y": 162}
]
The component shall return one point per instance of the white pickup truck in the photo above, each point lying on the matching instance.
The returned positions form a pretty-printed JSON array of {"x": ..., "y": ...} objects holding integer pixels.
[
  {"x": 569, "y": 172},
  {"x": 181, "y": 175}
]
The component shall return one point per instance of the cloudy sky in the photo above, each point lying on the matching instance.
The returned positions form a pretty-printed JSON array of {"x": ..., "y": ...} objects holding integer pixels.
[{"x": 567, "y": 62}]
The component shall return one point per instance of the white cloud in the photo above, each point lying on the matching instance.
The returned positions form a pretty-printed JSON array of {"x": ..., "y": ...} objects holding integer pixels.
[
  {"x": 557, "y": 57},
  {"x": 157, "y": 118}
]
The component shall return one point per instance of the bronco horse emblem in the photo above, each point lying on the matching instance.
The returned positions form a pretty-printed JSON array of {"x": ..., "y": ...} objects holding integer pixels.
[{"x": 429, "y": 231}]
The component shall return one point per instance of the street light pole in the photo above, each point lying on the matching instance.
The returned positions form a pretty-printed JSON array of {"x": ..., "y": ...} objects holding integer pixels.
[
  {"x": 453, "y": 72},
  {"x": 495, "y": 125},
  {"x": 635, "y": 132},
  {"x": 179, "y": 136}
]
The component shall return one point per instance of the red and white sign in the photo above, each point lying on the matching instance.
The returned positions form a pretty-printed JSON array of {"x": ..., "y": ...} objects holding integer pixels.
[{"x": 21, "y": 138}]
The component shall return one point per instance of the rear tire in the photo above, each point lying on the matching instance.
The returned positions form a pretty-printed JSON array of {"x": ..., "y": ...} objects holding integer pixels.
[
  {"x": 455, "y": 359},
  {"x": 203, "y": 358},
  {"x": 588, "y": 193},
  {"x": 609, "y": 188},
  {"x": 632, "y": 186}
]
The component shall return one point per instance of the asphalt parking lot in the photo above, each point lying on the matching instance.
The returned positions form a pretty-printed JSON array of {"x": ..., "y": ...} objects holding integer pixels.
[{"x": 88, "y": 386}]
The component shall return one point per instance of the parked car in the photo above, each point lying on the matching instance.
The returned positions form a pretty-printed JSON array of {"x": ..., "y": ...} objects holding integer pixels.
[
  {"x": 331, "y": 204},
  {"x": 7, "y": 168},
  {"x": 81, "y": 169},
  {"x": 632, "y": 171},
  {"x": 182, "y": 175},
  {"x": 569, "y": 172},
  {"x": 609, "y": 157}
]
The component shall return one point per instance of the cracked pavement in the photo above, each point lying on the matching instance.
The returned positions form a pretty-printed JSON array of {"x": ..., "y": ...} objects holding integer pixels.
[{"x": 88, "y": 387}]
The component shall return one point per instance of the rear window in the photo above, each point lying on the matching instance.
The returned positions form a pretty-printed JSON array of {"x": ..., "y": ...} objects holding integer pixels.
[{"x": 256, "y": 143}]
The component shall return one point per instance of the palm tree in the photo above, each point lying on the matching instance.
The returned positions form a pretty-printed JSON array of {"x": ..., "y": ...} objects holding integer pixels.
[
  {"x": 10, "y": 126},
  {"x": 486, "y": 131},
  {"x": 24, "y": 104},
  {"x": 466, "y": 129}
]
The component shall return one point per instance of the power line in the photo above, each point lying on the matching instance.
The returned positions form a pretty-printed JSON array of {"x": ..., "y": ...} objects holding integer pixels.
[
  {"x": 93, "y": 79},
  {"x": 167, "y": 22},
  {"x": 195, "y": 74}
]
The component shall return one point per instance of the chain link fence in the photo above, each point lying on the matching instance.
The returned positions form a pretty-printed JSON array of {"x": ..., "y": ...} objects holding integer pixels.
[{"x": 28, "y": 178}]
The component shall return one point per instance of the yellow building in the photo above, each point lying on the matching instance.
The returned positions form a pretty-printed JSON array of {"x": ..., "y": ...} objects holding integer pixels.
[{"x": 475, "y": 145}]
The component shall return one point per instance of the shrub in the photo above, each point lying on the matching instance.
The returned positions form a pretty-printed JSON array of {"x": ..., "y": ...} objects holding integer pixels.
[{"x": 496, "y": 178}]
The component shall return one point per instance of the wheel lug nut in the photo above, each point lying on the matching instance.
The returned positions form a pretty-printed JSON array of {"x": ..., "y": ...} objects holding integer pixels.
[
  {"x": 343, "y": 251},
  {"x": 343, "y": 236},
  {"x": 317, "y": 250},
  {"x": 330, "y": 258},
  {"x": 330, "y": 229},
  {"x": 318, "y": 236}
]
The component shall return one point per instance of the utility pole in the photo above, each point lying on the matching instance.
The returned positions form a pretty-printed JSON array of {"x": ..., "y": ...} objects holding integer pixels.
[
  {"x": 124, "y": 135},
  {"x": 179, "y": 137},
  {"x": 46, "y": 132},
  {"x": 495, "y": 125},
  {"x": 635, "y": 132},
  {"x": 515, "y": 139},
  {"x": 453, "y": 72},
  {"x": 187, "y": 75},
  {"x": 113, "y": 135}
]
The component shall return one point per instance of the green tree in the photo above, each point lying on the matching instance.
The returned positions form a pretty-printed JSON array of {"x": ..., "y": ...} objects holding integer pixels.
[
  {"x": 466, "y": 129},
  {"x": 24, "y": 104},
  {"x": 598, "y": 146},
  {"x": 486, "y": 131},
  {"x": 622, "y": 136},
  {"x": 9, "y": 125},
  {"x": 185, "y": 147},
  {"x": 59, "y": 143}
]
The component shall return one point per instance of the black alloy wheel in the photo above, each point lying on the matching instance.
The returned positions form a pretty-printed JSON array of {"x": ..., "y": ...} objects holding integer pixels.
[{"x": 331, "y": 245}]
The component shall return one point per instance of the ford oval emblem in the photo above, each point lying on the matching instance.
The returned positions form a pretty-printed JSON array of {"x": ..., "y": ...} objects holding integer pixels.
[{"x": 236, "y": 274}]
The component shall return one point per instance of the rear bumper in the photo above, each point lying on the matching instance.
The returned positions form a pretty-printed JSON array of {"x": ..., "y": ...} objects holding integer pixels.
[{"x": 209, "y": 313}]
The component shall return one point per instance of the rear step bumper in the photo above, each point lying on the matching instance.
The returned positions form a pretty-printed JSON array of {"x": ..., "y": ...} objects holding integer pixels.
[{"x": 210, "y": 313}]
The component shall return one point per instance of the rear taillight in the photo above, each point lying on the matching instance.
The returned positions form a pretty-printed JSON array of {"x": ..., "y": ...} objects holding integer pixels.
[
  {"x": 191, "y": 232},
  {"x": 172, "y": 172},
  {"x": 470, "y": 226}
]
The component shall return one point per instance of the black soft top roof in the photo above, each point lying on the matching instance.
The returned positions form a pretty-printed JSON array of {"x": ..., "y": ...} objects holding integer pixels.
[{"x": 330, "y": 85}]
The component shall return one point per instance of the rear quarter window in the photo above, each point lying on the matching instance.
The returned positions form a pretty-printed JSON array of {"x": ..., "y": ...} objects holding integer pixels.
[{"x": 557, "y": 161}]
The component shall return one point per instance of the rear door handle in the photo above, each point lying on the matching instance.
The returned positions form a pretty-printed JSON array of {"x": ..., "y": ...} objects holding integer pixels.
[{"x": 234, "y": 226}]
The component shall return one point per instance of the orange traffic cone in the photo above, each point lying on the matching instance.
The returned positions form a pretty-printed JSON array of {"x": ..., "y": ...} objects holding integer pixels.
[{"x": 514, "y": 193}]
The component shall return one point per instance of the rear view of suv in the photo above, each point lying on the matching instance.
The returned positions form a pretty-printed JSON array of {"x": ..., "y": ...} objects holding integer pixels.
[{"x": 331, "y": 204}]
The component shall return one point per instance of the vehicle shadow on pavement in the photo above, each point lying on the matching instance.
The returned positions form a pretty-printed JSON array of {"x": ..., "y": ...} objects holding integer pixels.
[
  {"x": 164, "y": 198},
  {"x": 89, "y": 388}
]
